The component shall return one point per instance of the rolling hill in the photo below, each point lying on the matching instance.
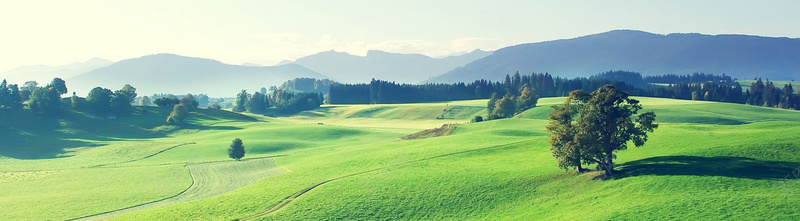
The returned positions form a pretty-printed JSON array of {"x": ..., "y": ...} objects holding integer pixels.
[
  {"x": 739, "y": 56},
  {"x": 169, "y": 73},
  {"x": 401, "y": 68},
  {"x": 732, "y": 161}
]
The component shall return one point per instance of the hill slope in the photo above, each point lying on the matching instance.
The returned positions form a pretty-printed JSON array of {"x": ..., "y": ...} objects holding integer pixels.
[
  {"x": 168, "y": 73},
  {"x": 402, "y": 68},
  {"x": 730, "y": 161},
  {"x": 735, "y": 55}
]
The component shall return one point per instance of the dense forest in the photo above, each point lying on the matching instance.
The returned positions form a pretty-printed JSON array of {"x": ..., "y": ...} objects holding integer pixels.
[{"x": 697, "y": 86}]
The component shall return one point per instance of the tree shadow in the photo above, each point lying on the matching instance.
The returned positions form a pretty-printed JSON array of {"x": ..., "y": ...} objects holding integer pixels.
[
  {"x": 317, "y": 112},
  {"x": 737, "y": 167},
  {"x": 24, "y": 135}
]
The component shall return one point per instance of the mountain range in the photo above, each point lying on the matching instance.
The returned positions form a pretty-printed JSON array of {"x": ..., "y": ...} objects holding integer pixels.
[
  {"x": 169, "y": 73},
  {"x": 401, "y": 68},
  {"x": 740, "y": 56},
  {"x": 44, "y": 74}
]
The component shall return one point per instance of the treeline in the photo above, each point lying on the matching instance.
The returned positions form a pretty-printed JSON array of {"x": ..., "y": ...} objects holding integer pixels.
[
  {"x": 697, "y": 86},
  {"x": 47, "y": 100},
  {"x": 307, "y": 85},
  {"x": 384, "y": 92},
  {"x": 203, "y": 101},
  {"x": 41, "y": 100},
  {"x": 282, "y": 100}
]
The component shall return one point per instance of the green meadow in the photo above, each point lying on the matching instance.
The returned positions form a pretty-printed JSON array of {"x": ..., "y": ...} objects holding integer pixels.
[{"x": 706, "y": 161}]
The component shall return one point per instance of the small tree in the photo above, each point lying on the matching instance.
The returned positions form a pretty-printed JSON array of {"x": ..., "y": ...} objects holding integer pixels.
[
  {"x": 189, "y": 102},
  {"x": 491, "y": 104},
  {"x": 236, "y": 151},
  {"x": 178, "y": 115},
  {"x": 77, "y": 102},
  {"x": 166, "y": 101},
  {"x": 145, "y": 101},
  {"x": 527, "y": 100},
  {"x": 241, "y": 100},
  {"x": 505, "y": 107},
  {"x": 129, "y": 91}
]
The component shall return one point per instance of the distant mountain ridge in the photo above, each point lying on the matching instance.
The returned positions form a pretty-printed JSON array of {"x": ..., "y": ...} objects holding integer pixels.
[
  {"x": 740, "y": 56},
  {"x": 401, "y": 68},
  {"x": 44, "y": 74},
  {"x": 169, "y": 73}
]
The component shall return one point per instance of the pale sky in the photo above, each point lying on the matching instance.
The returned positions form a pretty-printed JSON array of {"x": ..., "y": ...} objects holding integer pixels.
[{"x": 266, "y": 32}]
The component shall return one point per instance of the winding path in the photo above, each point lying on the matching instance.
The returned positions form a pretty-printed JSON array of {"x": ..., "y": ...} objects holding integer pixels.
[
  {"x": 208, "y": 180},
  {"x": 289, "y": 199}
]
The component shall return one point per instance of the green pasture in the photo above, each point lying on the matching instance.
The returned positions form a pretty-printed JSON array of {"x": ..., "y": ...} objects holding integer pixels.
[{"x": 707, "y": 160}]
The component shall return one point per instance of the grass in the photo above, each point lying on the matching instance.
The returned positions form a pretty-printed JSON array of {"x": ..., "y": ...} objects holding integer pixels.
[{"x": 707, "y": 160}]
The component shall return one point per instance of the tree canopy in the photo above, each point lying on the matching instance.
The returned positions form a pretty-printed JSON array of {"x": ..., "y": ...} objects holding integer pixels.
[
  {"x": 236, "y": 151},
  {"x": 241, "y": 100},
  {"x": 178, "y": 115},
  {"x": 589, "y": 129}
]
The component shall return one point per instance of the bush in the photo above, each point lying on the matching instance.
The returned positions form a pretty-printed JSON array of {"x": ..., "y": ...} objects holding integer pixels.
[
  {"x": 178, "y": 115},
  {"x": 237, "y": 149},
  {"x": 477, "y": 119}
]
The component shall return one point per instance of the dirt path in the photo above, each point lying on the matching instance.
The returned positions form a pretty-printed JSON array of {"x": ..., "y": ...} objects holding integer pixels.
[
  {"x": 289, "y": 199},
  {"x": 208, "y": 180}
]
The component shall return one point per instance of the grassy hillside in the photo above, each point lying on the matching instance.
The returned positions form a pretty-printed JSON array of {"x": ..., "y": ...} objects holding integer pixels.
[{"x": 707, "y": 161}]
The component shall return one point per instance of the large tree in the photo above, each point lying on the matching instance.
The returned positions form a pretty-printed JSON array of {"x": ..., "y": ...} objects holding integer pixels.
[
  {"x": 257, "y": 103},
  {"x": 236, "y": 151},
  {"x": 99, "y": 99},
  {"x": 603, "y": 126},
  {"x": 59, "y": 85},
  {"x": 562, "y": 130},
  {"x": 45, "y": 100}
]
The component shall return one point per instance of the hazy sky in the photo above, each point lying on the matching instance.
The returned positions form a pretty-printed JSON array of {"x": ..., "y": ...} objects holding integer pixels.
[{"x": 266, "y": 32}]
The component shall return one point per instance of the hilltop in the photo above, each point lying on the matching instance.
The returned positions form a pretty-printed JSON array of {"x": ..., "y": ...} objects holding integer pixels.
[
  {"x": 169, "y": 73},
  {"x": 401, "y": 68}
]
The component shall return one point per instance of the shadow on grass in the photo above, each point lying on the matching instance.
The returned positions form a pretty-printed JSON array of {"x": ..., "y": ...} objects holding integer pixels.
[
  {"x": 737, "y": 167},
  {"x": 318, "y": 112},
  {"x": 24, "y": 135}
]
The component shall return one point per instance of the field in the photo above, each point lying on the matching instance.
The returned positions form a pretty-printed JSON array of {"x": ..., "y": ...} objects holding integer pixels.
[{"x": 707, "y": 160}]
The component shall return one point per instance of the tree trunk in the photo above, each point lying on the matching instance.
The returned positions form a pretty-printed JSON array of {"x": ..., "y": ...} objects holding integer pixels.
[
  {"x": 609, "y": 166},
  {"x": 580, "y": 169}
]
